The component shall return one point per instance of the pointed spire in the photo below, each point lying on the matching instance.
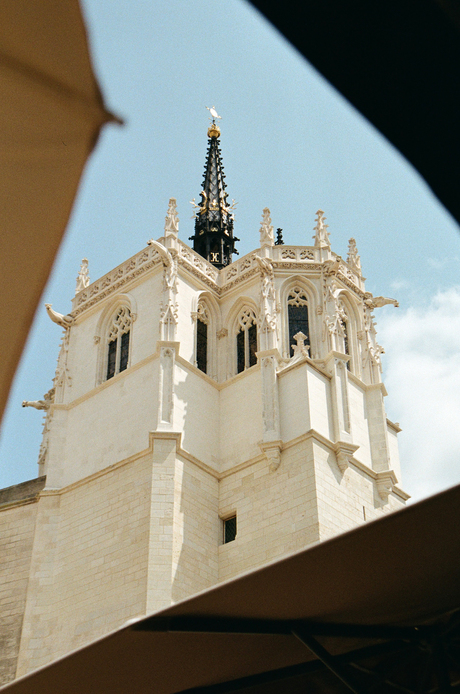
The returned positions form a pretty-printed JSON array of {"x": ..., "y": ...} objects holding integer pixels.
[
  {"x": 83, "y": 276},
  {"x": 321, "y": 233},
  {"x": 266, "y": 230},
  {"x": 213, "y": 238},
  {"x": 172, "y": 219},
  {"x": 353, "y": 258}
]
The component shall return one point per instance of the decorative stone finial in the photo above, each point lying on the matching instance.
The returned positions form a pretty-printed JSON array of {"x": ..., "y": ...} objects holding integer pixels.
[
  {"x": 172, "y": 219},
  {"x": 267, "y": 237},
  {"x": 321, "y": 233},
  {"x": 83, "y": 276},
  {"x": 353, "y": 258},
  {"x": 300, "y": 348}
]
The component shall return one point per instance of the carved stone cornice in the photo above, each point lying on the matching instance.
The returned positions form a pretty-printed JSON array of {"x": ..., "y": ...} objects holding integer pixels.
[
  {"x": 110, "y": 283},
  {"x": 349, "y": 283}
]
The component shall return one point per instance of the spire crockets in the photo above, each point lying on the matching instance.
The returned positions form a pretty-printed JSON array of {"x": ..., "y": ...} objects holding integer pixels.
[{"x": 214, "y": 217}]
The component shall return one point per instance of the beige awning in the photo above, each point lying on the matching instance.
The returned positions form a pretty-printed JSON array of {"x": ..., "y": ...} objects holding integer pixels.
[
  {"x": 50, "y": 116},
  {"x": 358, "y": 595}
]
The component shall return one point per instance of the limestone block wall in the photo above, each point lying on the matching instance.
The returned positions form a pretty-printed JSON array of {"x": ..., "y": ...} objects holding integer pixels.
[
  {"x": 395, "y": 463},
  {"x": 196, "y": 413},
  {"x": 345, "y": 499},
  {"x": 240, "y": 418},
  {"x": 359, "y": 421},
  {"x": 295, "y": 402},
  {"x": 88, "y": 570},
  {"x": 111, "y": 424},
  {"x": 276, "y": 511},
  {"x": 197, "y": 529},
  {"x": 18, "y": 512}
]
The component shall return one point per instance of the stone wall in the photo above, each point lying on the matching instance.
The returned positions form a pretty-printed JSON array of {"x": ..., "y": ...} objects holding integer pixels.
[
  {"x": 18, "y": 511},
  {"x": 88, "y": 570}
]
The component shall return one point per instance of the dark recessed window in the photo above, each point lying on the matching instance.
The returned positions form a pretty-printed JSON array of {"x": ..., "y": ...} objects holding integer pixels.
[
  {"x": 229, "y": 529},
  {"x": 118, "y": 342},
  {"x": 201, "y": 345},
  {"x": 346, "y": 343},
  {"x": 246, "y": 340},
  {"x": 298, "y": 322}
]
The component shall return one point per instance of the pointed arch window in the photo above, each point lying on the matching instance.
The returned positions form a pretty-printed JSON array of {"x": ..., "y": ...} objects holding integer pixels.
[
  {"x": 297, "y": 315},
  {"x": 118, "y": 342},
  {"x": 246, "y": 340},
  {"x": 202, "y": 323}
]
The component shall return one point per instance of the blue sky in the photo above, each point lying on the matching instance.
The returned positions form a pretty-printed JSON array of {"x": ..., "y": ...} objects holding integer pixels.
[{"x": 289, "y": 142}]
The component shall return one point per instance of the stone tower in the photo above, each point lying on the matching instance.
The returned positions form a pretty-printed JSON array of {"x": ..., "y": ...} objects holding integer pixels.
[{"x": 206, "y": 416}]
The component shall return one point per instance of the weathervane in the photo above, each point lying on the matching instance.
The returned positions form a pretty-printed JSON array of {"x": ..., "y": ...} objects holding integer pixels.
[{"x": 213, "y": 113}]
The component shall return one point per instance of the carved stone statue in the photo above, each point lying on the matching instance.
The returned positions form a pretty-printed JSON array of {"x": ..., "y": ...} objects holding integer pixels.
[
  {"x": 267, "y": 237},
  {"x": 267, "y": 296},
  {"x": 172, "y": 219},
  {"x": 83, "y": 276}
]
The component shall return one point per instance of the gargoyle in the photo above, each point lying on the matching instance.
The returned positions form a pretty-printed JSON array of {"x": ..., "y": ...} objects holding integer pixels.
[
  {"x": 63, "y": 321},
  {"x": 378, "y": 301}
]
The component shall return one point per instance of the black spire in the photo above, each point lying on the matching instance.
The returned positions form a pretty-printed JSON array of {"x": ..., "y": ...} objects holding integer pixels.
[{"x": 213, "y": 237}]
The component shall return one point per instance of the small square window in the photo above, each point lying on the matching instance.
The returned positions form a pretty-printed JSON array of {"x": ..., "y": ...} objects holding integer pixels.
[{"x": 229, "y": 529}]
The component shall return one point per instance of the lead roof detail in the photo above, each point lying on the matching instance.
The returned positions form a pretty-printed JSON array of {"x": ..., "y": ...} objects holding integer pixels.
[{"x": 213, "y": 238}]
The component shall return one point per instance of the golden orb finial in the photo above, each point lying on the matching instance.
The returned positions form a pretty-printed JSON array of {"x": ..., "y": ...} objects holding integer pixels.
[{"x": 213, "y": 130}]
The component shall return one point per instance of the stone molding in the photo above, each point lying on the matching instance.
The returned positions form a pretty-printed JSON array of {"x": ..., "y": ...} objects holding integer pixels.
[
  {"x": 285, "y": 258},
  {"x": 384, "y": 479}
]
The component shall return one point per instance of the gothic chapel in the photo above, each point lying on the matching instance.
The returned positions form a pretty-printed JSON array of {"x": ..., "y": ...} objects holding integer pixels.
[{"x": 207, "y": 416}]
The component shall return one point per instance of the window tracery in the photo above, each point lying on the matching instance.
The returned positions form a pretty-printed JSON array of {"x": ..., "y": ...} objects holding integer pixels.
[
  {"x": 246, "y": 340},
  {"x": 297, "y": 315},
  {"x": 118, "y": 341}
]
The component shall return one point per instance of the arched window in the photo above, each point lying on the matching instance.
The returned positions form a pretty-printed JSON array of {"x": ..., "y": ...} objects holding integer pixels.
[
  {"x": 202, "y": 322},
  {"x": 118, "y": 342},
  {"x": 297, "y": 315},
  {"x": 246, "y": 340}
]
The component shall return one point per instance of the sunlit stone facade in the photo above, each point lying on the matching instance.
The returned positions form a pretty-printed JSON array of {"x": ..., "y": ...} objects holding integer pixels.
[{"x": 186, "y": 395}]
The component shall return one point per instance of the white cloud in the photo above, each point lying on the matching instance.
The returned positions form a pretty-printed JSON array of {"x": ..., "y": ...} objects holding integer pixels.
[
  {"x": 422, "y": 376},
  {"x": 399, "y": 284}
]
